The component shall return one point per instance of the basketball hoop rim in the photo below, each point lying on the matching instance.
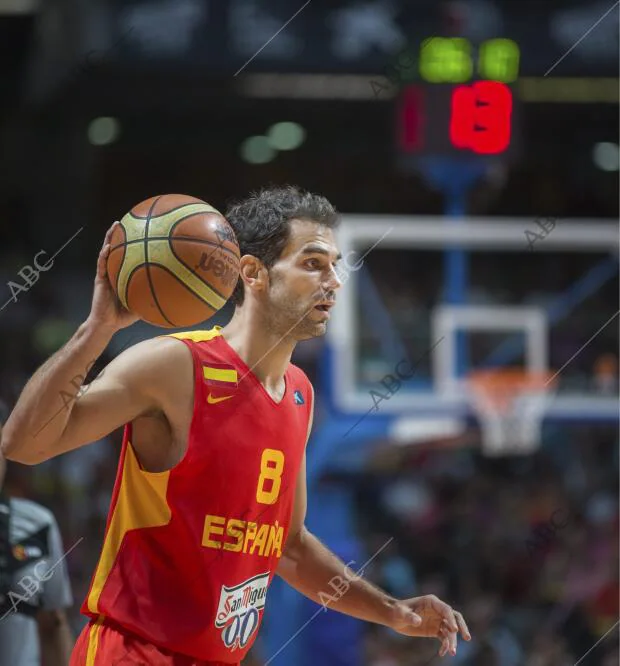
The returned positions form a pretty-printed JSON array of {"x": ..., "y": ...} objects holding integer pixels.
[{"x": 497, "y": 389}]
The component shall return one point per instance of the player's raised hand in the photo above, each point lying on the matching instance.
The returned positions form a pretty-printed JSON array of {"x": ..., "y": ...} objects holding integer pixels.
[
  {"x": 106, "y": 310},
  {"x": 438, "y": 621}
]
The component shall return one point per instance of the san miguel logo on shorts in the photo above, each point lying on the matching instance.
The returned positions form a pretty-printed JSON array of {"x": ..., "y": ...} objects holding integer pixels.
[{"x": 238, "y": 612}]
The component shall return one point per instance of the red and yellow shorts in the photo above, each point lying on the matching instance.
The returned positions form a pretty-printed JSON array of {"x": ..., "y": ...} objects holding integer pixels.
[{"x": 101, "y": 644}]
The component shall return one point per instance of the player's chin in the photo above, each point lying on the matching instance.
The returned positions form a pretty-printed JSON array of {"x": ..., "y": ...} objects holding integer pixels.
[{"x": 311, "y": 329}]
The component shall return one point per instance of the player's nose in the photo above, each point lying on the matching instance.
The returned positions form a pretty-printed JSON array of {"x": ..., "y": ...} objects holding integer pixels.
[{"x": 333, "y": 281}]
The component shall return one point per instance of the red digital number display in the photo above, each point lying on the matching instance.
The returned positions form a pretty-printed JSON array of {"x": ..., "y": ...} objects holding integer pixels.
[
  {"x": 481, "y": 117},
  {"x": 412, "y": 120}
]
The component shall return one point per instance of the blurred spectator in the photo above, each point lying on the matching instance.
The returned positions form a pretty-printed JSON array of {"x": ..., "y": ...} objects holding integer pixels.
[
  {"x": 492, "y": 642},
  {"x": 34, "y": 584},
  {"x": 606, "y": 374}
]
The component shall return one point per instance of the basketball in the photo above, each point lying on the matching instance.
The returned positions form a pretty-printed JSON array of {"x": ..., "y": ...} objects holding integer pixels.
[{"x": 173, "y": 261}]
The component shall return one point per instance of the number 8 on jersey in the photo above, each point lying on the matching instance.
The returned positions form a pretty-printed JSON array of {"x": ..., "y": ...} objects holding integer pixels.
[{"x": 271, "y": 468}]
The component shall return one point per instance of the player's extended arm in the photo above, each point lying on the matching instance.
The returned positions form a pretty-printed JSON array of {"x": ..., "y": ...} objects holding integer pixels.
[
  {"x": 316, "y": 572},
  {"x": 312, "y": 569},
  {"x": 53, "y": 416}
]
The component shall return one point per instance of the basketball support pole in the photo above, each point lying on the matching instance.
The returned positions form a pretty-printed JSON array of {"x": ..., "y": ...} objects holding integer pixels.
[{"x": 455, "y": 178}]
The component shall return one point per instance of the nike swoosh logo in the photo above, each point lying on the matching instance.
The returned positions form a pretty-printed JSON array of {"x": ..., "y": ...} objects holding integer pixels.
[{"x": 213, "y": 401}]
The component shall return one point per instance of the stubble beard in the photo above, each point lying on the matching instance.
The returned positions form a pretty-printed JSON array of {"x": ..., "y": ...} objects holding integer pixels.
[{"x": 290, "y": 322}]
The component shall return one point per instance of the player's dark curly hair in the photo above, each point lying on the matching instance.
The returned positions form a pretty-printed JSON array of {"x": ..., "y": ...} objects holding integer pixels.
[{"x": 261, "y": 222}]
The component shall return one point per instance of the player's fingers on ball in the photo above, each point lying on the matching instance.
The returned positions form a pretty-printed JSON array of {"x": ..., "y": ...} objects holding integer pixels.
[
  {"x": 101, "y": 263},
  {"x": 105, "y": 247},
  {"x": 462, "y": 626},
  {"x": 103, "y": 256},
  {"x": 105, "y": 250},
  {"x": 102, "y": 260},
  {"x": 108, "y": 235}
]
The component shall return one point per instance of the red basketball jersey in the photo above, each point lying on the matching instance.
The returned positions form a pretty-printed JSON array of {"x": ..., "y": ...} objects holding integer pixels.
[{"x": 189, "y": 553}]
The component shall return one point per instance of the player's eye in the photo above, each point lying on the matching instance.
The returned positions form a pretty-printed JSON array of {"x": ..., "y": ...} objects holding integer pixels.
[{"x": 313, "y": 263}]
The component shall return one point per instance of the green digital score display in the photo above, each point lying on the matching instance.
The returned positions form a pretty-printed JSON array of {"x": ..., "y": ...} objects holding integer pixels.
[{"x": 452, "y": 60}]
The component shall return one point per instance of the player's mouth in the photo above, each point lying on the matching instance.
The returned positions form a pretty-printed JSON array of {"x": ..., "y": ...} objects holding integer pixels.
[{"x": 325, "y": 308}]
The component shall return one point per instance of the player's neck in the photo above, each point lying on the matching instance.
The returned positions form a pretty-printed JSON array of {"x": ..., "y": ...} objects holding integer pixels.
[{"x": 263, "y": 350}]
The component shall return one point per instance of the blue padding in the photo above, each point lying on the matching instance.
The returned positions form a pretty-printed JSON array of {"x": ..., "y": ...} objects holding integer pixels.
[
  {"x": 330, "y": 439},
  {"x": 294, "y": 631}
]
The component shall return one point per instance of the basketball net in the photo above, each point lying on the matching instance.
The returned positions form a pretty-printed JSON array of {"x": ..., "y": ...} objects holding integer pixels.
[{"x": 510, "y": 404}]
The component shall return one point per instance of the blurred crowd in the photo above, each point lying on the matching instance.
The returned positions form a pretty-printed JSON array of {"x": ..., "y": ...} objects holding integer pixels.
[{"x": 526, "y": 548}]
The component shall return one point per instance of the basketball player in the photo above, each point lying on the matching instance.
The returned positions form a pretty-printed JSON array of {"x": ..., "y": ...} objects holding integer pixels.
[{"x": 210, "y": 496}]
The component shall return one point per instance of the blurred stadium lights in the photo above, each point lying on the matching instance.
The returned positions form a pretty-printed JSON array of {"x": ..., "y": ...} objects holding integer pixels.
[
  {"x": 307, "y": 86},
  {"x": 286, "y": 135},
  {"x": 606, "y": 156},
  {"x": 411, "y": 430},
  {"x": 256, "y": 150},
  {"x": 103, "y": 131},
  {"x": 578, "y": 90},
  {"x": 358, "y": 87},
  {"x": 261, "y": 149}
]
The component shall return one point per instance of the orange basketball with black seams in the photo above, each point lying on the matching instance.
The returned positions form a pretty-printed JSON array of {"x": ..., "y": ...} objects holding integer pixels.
[{"x": 173, "y": 261}]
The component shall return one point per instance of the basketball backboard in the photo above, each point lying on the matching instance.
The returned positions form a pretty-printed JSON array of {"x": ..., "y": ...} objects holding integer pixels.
[{"x": 550, "y": 306}]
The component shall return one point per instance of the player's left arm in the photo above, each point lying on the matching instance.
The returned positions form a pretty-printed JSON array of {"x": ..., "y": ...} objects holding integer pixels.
[{"x": 316, "y": 572}]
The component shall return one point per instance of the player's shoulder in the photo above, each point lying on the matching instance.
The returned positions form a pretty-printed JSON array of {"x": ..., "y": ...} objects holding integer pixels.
[
  {"x": 28, "y": 511},
  {"x": 298, "y": 373},
  {"x": 196, "y": 336},
  {"x": 142, "y": 366},
  {"x": 301, "y": 382},
  {"x": 205, "y": 345},
  {"x": 169, "y": 347},
  {"x": 151, "y": 356}
]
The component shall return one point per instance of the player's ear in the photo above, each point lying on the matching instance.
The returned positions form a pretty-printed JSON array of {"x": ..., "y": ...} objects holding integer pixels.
[{"x": 253, "y": 272}]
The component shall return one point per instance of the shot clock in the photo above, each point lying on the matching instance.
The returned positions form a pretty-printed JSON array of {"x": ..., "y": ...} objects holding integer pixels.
[
  {"x": 456, "y": 99},
  {"x": 455, "y": 60}
]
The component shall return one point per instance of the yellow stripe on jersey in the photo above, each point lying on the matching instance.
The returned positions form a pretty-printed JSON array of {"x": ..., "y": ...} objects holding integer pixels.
[
  {"x": 197, "y": 336},
  {"x": 93, "y": 642},
  {"x": 141, "y": 503},
  {"x": 220, "y": 374}
]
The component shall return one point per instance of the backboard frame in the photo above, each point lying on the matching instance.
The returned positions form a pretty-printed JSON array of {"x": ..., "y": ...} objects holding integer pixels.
[{"x": 358, "y": 232}]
